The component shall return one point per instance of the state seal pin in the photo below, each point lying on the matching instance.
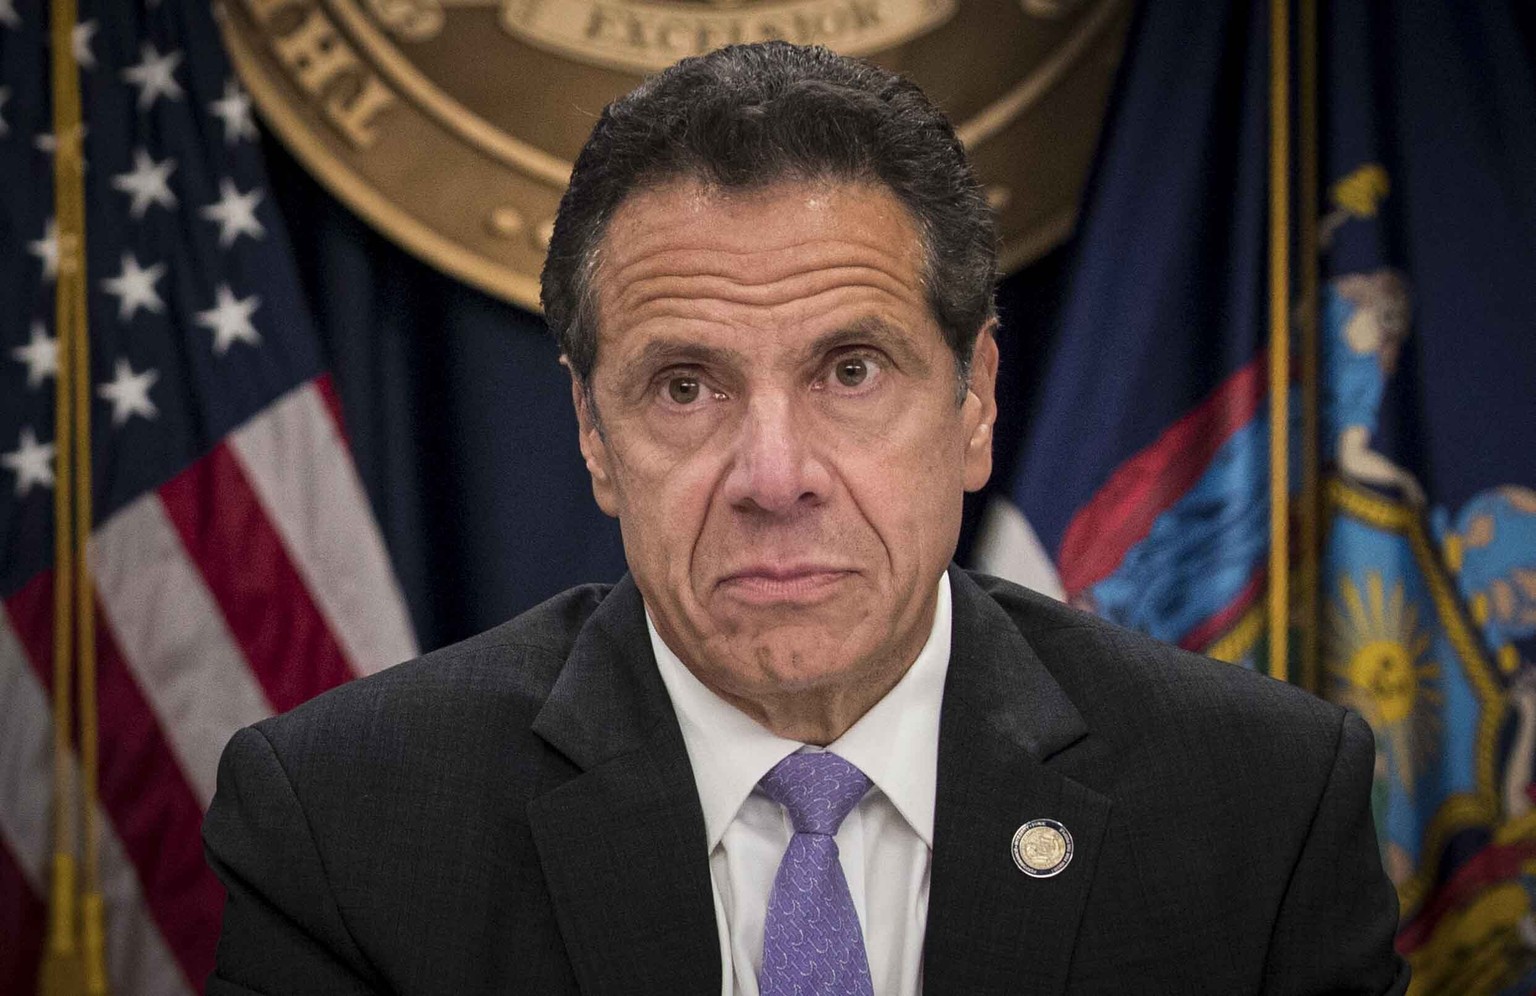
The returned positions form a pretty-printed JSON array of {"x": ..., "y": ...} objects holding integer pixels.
[{"x": 1042, "y": 848}]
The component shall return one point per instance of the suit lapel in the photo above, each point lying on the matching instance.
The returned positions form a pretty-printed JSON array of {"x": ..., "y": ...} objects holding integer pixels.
[
  {"x": 622, "y": 845},
  {"x": 993, "y": 929}
]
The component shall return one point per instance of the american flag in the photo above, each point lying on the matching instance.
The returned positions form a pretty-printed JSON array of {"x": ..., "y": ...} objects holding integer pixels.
[{"x": 238, "y": 569}]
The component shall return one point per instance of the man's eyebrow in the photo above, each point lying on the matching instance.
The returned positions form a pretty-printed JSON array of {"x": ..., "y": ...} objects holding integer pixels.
[
  {"x": 664, "y": 351},
  {"x": 876, "y": 332},
  {"x": 870, "y": 331}
]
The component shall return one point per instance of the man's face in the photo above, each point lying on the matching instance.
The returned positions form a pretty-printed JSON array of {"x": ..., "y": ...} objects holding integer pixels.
[{"x": 778, "y": 431}]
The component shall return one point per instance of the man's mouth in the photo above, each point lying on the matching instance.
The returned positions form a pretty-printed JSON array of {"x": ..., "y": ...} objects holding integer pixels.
[{"x": 770, "y": 584}]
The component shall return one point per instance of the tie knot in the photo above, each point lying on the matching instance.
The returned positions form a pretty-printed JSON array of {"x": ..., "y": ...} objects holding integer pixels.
[{"x": 817, "y": 790}]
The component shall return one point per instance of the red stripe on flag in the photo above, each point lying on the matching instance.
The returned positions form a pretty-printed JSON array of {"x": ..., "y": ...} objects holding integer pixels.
[
  {"x": 1494, "y": 865},
  {"x": 1216, "y": 626},
  {"x": 266, "y": 604},
  {"x": 142, "y": 789},
  {"x": 1122, "y": 512},
  {"x": 326, "y": 386},
  {"x": 22, "y": 912},
  {"x": 156, "y": 815},
  {"x": 31, "y": 612},
  {"x": 21, "y": 927}
]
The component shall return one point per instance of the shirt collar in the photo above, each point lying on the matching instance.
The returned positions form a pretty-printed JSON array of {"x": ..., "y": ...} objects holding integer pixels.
[{"x": 895, "y": 743}]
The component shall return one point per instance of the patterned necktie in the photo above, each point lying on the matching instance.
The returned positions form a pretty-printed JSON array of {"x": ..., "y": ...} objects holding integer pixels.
[{"x": 812, "y": 944}]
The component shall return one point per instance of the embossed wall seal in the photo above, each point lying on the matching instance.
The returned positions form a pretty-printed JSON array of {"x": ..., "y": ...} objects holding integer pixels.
[{"x": 451, "y": 125}]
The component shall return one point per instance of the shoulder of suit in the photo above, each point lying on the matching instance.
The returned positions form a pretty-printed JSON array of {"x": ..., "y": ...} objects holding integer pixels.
[
  {"x": 509, "y": 668},
  {"x": 1136, "y": 687}
]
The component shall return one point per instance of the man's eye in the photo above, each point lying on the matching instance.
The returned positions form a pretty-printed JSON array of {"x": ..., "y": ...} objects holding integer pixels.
[
  {"x": 855, "y": 371},
  {"x": 684, "y": 390},
  {"x": 852, "y": 372}
]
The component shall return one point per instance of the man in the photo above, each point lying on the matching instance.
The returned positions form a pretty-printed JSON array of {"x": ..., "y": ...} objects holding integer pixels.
[{"x": 772, "y": 282}]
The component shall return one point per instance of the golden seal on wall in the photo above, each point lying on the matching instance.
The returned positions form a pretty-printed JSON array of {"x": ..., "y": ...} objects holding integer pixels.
[{"x": 451, "y": 125}]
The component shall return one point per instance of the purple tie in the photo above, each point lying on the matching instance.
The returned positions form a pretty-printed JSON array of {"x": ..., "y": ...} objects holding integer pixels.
[{"x": 812, "y": 944}]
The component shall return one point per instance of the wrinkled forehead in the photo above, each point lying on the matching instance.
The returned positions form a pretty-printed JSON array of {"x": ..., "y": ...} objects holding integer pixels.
[
  {"x": 755, "y": 247},
  {"x": 660, "y": 213}
]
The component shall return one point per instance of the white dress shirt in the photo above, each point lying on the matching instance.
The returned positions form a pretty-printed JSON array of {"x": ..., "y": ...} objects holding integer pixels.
[{"x": 885, "y": 844}]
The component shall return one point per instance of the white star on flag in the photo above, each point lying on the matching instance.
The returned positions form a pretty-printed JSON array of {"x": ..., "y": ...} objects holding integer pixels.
[
  {"x": 235, "y": 213},
  {"x": 40, "y": 354},
  {"x": 230, "y": 320},
  {"x": 134, "y": 288},
  {"x": 47, "y": 249},
  {"x": 44, "y": 141},
  {"x": 31, "y": 462},
  {"x": 234, "y": 109},
  {"x": 129, "y": 393},
  {"x": 154, "y": 76},
  {"x": 146, "y": 183},
  {"x": 80, "y": 41},
  {"x": 200, "y": 354}
]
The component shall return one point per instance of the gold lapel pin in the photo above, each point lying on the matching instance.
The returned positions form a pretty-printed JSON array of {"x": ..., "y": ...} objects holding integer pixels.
[{"x": 1042, "y": 848}]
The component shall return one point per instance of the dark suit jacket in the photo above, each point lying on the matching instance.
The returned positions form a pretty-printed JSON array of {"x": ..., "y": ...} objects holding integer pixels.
[{"x": 517, "y": 814}]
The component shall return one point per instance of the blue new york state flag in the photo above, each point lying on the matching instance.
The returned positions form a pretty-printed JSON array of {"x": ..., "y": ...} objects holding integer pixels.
[{"x": 1146, "y": 473}]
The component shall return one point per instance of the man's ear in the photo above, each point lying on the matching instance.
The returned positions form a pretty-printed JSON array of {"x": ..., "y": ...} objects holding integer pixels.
[
  {"x": 980, "y": 408},
  {"x": 594, "y": 449}
]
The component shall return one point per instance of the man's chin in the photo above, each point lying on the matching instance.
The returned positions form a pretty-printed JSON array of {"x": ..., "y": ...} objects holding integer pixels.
[
  {"x": 757, "y": 628},
  {"x": 791, "y": 658},
  {"x": 779, "y": 672}
]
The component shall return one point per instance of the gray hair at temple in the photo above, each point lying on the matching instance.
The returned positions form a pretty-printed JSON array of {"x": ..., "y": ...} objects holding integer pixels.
[{"x": 748, "y": 116}]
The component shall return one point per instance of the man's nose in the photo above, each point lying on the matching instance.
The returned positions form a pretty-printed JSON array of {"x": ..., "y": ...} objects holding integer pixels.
[{"x": 777, "y": 467}]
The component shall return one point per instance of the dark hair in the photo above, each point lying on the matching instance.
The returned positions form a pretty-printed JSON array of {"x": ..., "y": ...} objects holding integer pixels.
[{"x": 747, "y": 116}]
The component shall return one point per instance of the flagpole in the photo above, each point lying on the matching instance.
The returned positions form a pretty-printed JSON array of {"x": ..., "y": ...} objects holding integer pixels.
[
  {"x": 61, "y": 969},
  {"x": 1310, "y": 510},
  {"x": 75, "y": 957},
  {"x": 92, "y": 911},
  {"x": 1279, "y": 338}
]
